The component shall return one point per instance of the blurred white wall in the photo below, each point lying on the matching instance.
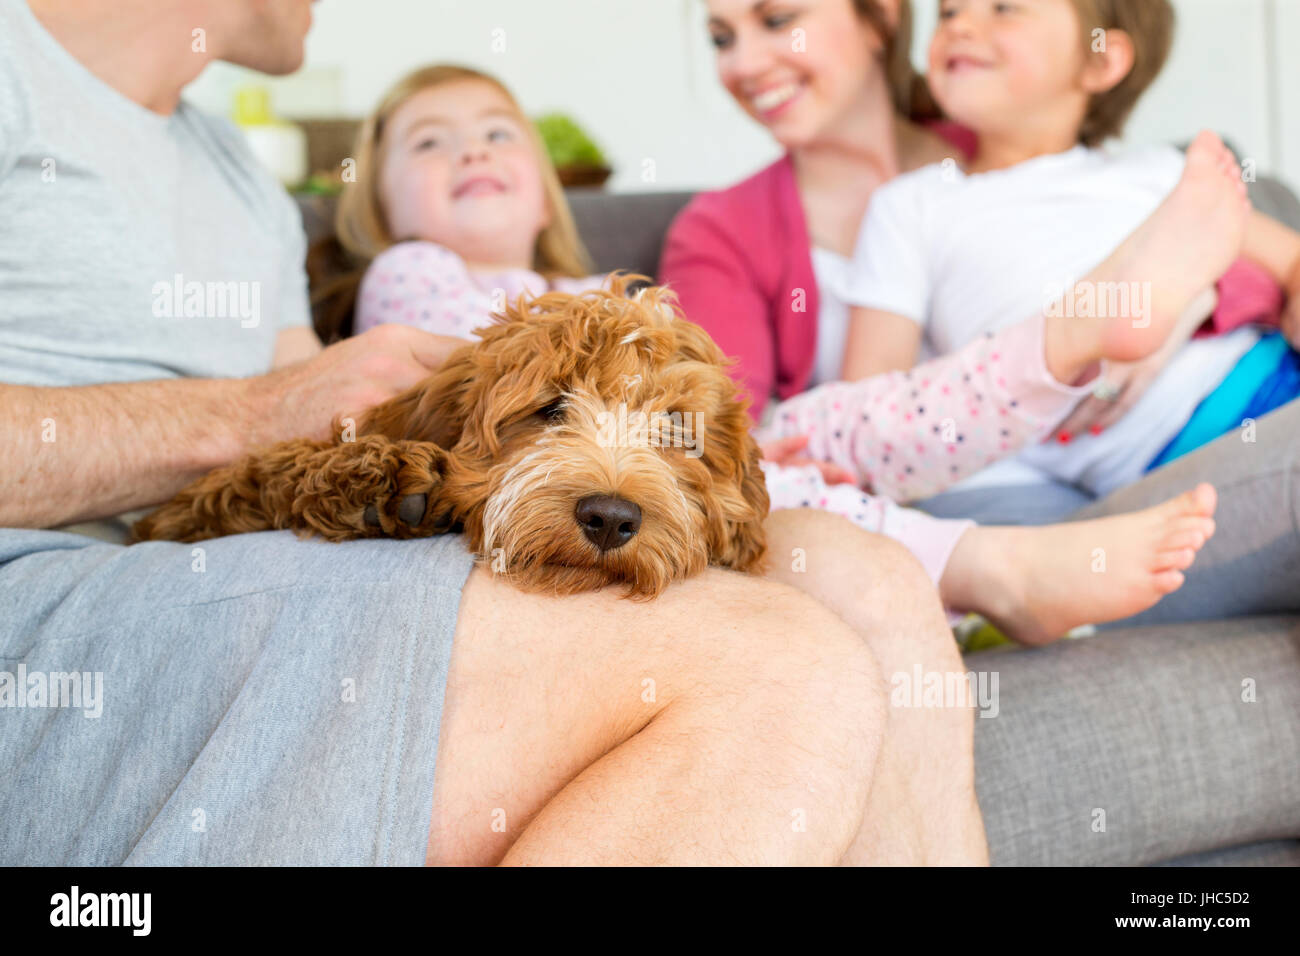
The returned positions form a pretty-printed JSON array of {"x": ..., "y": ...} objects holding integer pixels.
[
  {"x": 637, "y": 74},
  {"x": 1285, "y": 28}
]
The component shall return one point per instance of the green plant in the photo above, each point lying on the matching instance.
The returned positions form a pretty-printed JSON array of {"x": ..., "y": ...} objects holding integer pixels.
[{"x": 566, "y": 143}]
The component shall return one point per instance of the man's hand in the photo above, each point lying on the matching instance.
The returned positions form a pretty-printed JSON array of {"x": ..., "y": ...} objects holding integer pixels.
[
  {"x": 347, "y": 378},
  {"x": 1119, "y": 388}
]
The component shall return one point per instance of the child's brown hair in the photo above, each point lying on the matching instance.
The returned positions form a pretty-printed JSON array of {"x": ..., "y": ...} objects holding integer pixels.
[
  {"x": 1149, "y": 24},
  {"x": 908, "y": 89}
]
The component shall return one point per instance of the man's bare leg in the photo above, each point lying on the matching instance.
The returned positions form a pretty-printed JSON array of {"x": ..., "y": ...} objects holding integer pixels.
[
  {"x": 731, "y": 720},
  {"x": 922, "y": 808}
]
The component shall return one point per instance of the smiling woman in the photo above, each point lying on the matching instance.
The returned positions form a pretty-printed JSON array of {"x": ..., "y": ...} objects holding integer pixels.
[
  {"x": 830, "y": 80},
  {"x": 851, "y": 33}
]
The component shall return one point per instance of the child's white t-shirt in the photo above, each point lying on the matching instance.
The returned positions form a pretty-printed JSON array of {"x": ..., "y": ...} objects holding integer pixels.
[
  {"x": 831, "y": 269},
  {"x": 964, "y": 255}
]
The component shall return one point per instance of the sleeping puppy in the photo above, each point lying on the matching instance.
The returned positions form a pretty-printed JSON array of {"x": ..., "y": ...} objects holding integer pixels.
[{"x": 584, "y": 440}]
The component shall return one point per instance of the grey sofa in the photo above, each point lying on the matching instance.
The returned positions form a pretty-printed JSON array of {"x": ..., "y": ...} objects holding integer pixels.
[{"x": 1128, "y": 748}]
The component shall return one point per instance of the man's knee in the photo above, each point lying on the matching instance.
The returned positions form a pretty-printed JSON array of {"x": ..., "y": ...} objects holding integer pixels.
[
  {"x": 722, "y": 643},
  {"x": 716, "y": 629},
  {"x": 788, "y": 644}
]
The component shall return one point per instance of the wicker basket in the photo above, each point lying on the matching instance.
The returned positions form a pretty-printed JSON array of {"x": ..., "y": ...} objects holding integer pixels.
[{"x": 591, "y": 177}]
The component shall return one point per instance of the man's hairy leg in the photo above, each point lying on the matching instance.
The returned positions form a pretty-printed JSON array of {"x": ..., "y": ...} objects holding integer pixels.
[
  {"x": 731, "y": 720},
  {"x": 922, "y": 808}
]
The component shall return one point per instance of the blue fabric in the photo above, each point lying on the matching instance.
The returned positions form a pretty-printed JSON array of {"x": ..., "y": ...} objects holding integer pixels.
[
  {"x": 1281, "y": 387},
  {"x": 1266, "y": 377}
]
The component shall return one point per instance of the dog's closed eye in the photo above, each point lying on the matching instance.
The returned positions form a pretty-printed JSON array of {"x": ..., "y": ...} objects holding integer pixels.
[{"x": 552, "y": 412}]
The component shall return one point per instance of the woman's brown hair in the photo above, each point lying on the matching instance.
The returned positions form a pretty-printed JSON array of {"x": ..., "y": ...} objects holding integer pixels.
[
  {"x": 337, "y": 264},
  {"x": 908, "y": 89}
]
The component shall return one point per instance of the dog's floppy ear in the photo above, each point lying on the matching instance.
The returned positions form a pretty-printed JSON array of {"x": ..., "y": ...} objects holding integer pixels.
[
  {"x": 434, "y": 410},
  {"x": 745, "y": 545},
  {"x": 729, "y": 449}
]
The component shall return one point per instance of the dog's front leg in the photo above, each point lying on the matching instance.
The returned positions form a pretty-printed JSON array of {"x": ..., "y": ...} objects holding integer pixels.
[{"x": 368, "y": 488}]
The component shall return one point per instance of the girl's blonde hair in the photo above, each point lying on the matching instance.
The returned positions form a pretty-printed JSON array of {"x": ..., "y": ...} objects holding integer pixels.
[{"x": 361, "y": 226}]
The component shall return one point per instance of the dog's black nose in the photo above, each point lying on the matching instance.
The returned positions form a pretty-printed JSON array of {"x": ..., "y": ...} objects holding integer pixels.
[{"x": 607, "y": 521}]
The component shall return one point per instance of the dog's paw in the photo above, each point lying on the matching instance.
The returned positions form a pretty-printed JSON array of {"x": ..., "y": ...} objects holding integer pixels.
[
  {"x": 411, "y": 510},
  {"x": 403, "y": 504}
]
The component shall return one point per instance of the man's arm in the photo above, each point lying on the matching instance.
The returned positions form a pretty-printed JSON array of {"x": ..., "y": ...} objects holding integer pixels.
[{"x": 76, "y": 454}]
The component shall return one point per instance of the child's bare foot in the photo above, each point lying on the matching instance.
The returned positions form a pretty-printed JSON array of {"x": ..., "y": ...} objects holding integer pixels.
[
  {"x": 1037, "y": 584},
  {"x": 1146, "y": 285}
]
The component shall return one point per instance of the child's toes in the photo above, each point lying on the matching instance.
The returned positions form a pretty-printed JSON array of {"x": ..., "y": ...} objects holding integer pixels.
[
  {"x": 1203, "y": 499},
  {"x": 1205, "y": 144},
  {"x": 1203, "y": 526},
  {"x": 1167, "y": 582},
  {"x": 1192, "y": 538},
  {"x": 1175, "y": 559}
]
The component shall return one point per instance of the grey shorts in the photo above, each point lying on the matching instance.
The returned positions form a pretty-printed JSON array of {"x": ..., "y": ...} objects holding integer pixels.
[{"x": 251, "y": 700}]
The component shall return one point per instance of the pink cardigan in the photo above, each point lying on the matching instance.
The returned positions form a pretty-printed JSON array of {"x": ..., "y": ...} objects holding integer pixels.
[{"x": 740, "y": 262}]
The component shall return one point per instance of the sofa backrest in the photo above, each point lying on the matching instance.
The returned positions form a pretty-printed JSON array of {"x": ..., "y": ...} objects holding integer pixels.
[
  {"x": 1273, "y": 198},
  {"x": 620, "y": 230},
  {"x": 626, "y": 230}
]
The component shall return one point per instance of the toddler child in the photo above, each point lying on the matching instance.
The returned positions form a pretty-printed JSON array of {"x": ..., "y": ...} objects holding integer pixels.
[{"x": 953, "y": 251}]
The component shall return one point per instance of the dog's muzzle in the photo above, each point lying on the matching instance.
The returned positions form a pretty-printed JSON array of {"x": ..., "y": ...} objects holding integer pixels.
[{"x": 607, "y": 521}]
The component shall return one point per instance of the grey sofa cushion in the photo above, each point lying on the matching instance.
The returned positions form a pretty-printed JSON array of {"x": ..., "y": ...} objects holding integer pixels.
[
  {"x": 625, "y": 231},
  {"x": 1272, "y": 853},
  {"x": 620, "y": 230},
  {"x": 1149, "y": 726}
]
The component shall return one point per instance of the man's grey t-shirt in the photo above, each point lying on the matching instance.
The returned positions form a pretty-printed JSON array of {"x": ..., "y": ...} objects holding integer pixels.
[{"x": 133, "y": 246}]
